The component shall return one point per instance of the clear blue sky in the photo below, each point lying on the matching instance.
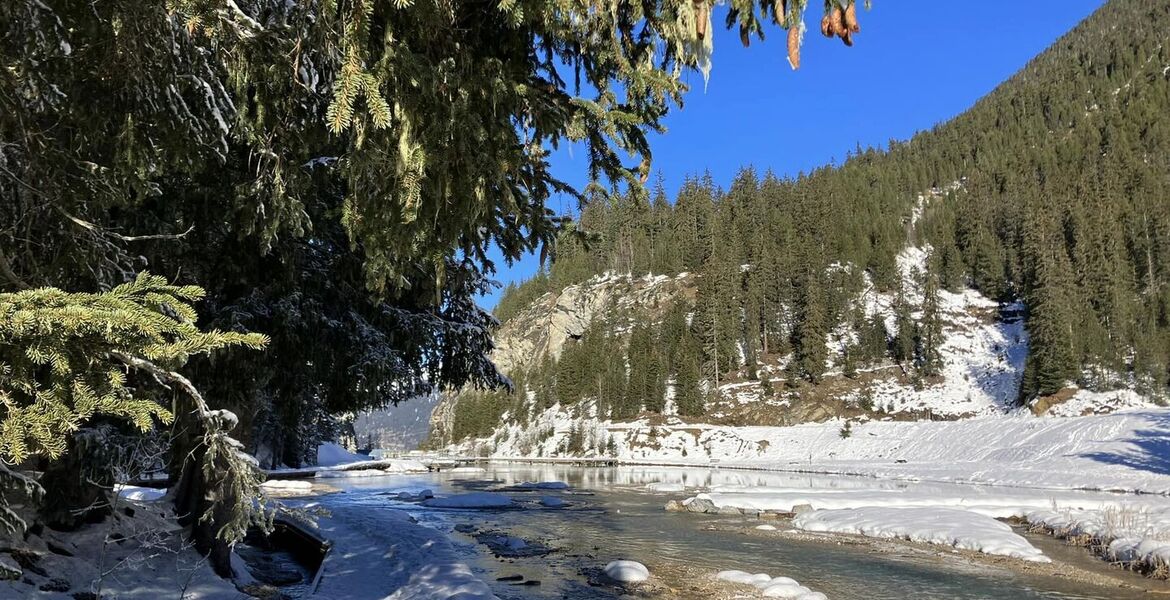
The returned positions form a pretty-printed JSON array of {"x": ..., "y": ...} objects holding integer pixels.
[{"x": 915, "y": 64}]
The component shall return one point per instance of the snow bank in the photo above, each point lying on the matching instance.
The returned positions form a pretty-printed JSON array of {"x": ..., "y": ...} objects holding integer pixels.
[
  {"x": 472, "y": 500},
  {"x": 627, "y": 571},
  {"x": 398, "y": 465},
  {"x": 1132, "y": 533},
  {"x": 963, "y": 529},
  {"x": 467, "y": 470},
  {"x": 1137, "y": 526},
  {"x": 1087, "y": 402},
  {"x": 286, "y": 486},
  {"x": 139, "y": 494},
  {"x": 330, "y": 454},
  {"x": 771, "y": 587},
  {"x": 338, "y": 473}
]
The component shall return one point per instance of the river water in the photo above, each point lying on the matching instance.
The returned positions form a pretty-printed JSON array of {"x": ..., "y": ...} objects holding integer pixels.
[{"x": 609, "y": 514}]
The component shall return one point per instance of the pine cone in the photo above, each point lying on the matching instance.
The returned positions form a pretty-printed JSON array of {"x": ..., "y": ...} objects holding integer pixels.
[
  {"x": 794, "y": 47},
  {"x": 851, "y": 18},
  {"x": 827, "y": 26},
  {"x": 848, "y": 38},
  {"x": 744, "y": 36}
]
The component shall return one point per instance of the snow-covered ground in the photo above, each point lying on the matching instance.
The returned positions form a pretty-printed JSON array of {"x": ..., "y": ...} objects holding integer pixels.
[
  {"x": 135, "y": 554},
  {"x": 385, "y": 554},
  {"x": 1122, "y": 451}
]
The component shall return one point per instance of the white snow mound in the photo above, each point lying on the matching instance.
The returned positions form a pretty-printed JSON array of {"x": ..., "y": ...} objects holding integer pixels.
[
  {"x": 627, "y": 571},
  {"x": 771, "y": 587}
]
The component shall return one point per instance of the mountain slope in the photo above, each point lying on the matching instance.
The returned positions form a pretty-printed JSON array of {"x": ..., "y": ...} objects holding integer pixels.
[{"x": 1034, "y": 269}]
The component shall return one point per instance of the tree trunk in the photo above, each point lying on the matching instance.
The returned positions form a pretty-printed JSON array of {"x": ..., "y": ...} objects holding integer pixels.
[{"x": 193, "y": 492}]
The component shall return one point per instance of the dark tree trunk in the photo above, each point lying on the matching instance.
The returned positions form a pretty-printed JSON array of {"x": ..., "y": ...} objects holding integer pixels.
[{"x": 194, "y": 491}]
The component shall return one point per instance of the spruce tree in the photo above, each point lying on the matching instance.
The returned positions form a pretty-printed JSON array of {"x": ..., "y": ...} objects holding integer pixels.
[
  {"x": 811, "y": 330},
  {"x": 930, "y": 329},
  {"x": 688, "y": 396}
]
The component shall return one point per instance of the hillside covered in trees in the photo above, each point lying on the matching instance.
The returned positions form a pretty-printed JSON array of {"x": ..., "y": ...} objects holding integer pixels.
[{"x": 1050, "y": 194}]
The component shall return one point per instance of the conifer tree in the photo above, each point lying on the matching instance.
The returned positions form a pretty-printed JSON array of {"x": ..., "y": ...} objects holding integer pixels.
[
  {"x": 811, "y": 329},
  {"x": 930, "y": 331},
  {"x": 688, "y": 395}
]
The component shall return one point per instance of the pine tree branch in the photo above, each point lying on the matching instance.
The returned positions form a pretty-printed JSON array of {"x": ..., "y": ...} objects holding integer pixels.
[
  {"x": 165, "y": 375},
  {"x": 125, "y": 238}
]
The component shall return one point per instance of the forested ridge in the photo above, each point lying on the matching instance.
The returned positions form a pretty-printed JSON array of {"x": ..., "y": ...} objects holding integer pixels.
[{"x": 1054, "y": 190}]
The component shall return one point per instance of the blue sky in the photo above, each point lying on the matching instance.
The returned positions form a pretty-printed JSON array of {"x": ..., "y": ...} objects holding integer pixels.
[{"x": 915, "y": 64}]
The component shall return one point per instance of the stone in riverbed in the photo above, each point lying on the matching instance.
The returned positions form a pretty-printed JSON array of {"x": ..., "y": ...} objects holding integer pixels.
[
  {"x": 700, "y": 505},
  {"x": 675, "y": 506},
  {"x": 729, "y": 510}
]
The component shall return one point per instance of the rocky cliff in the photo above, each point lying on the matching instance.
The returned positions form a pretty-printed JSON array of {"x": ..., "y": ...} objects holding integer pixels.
[{"x": 555, "y": 318}]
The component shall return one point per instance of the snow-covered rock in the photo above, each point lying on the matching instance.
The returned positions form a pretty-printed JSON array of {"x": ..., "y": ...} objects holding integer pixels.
[
  {"x": 771, "y": 587},
  {"x": 551, "y": 502},
  {"x": 627, "y": 571}
]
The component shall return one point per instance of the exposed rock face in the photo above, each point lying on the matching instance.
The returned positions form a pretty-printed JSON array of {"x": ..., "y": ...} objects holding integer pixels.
[{"x": 555, "y": 318}]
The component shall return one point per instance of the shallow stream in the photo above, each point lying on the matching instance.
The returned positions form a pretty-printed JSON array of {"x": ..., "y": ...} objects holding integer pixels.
[{"x": 610, "y": 514}]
